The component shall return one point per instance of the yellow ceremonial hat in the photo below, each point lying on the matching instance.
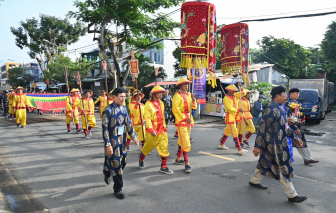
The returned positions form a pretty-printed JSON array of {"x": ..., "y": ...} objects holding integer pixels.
[
  {"x": 138, "y": 92},
  {"x": 183, "y": 81},
  {"x": 74, "y": 90},
  {"x": 19, "y": 88},
  {"x": 157, "y": 89},
  {"x": 231, "y": 87},
  {"x": 11, "y": 89},
  {"x": 247, "y": 91}
]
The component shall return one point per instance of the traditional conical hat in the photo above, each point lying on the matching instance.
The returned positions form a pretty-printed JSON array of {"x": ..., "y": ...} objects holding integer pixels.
[
  {"x": 91, "y": 93},
  {"x": 231, "y": 87},
  {"x": 157, "y": 89},
  {"x": 74, "y": 90},
  {"x": 11, "y": 89},
  {"x": 103, "y": 91},
  {"x": 137, "y": 92},
  {"x": 19, "y": 88},
  {"x": 183, "y": 81},
  {"x": 247, "y": 91}
]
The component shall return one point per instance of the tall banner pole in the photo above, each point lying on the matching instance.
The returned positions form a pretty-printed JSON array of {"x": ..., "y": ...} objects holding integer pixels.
[
  {"x": 79, "y": 82},
  {"x": 67, "y": 84},
  {"x": 192, "y": 91},
  {"x": 104, "y": 66},
  {"x": 135, "y": 73}
]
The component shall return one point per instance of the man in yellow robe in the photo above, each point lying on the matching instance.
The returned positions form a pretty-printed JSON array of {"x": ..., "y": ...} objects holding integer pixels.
[
  {"x": 138, "y": 122},
  {"x": 11, "y": 95},
  {"x": 72, "y": 110},
  {"x": 245, "y": 122},
  {"x": 183, "y": 101},
  {"x": 231, "y": 109},
  {"x": 87, "y": 112},
  {"x": 103, "y": 102},
  {"x": 156, "y": 130},
  {"x": 20, "y": 103}
]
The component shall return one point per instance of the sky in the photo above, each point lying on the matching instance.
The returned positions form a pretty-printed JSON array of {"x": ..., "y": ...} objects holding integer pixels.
[{"x": 307, "y": 32}]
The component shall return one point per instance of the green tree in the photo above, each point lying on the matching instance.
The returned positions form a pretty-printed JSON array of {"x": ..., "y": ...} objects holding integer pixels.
[
  {"x": 289, "y": 57},
  {"x": 56, "y": 72},
  {"x": 264, "y": 88},
  {"x": 147, "y": 76},
  {"x": 18, "y": 77},
  {"x": 134, "y": 21},
  {"x": 255, "y": 55},
  {"x": 328, "y": 47},
  {"x": 43, "y": 37},
  {"x": 179, "y": 71}
]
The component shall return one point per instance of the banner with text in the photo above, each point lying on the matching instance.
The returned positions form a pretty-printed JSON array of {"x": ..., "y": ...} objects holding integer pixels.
[{"x": 200, "y": 85}]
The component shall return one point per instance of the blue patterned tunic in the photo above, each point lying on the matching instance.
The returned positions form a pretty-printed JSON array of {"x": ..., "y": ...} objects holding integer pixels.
[
  {"x": 112, "y": 118},
  {"x": 272, "y": 140}
]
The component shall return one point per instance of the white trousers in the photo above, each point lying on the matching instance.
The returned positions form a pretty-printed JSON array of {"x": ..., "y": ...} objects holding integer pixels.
[{"x": 305, "y": 153}]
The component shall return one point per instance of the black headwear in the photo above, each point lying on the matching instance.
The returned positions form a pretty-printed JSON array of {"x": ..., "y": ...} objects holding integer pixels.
[
  {"x": 118, "y": 90},
  {"x": 294, "y": 90},
  {"x": 277, "y": 91}
]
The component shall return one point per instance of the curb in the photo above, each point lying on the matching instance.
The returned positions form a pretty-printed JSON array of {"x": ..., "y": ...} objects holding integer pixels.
[{"x": 4, "y": 205}]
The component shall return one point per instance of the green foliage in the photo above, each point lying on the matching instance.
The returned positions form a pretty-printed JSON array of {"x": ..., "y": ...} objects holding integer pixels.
[
  {"x": 328, "y": 46},
  {"x": 289, "y": 57},
  {"x": 56, "y": 72},
  {"x": 255, "y": 55},
  {"x": 138, "y": 22},
  {"x": 147, "y": 76},
  {"x": 39, "y": 36},
  {"x": 178, "y": 70},
  {"x": 264, "y": 88},
  {"x": 18, "y": 77}
]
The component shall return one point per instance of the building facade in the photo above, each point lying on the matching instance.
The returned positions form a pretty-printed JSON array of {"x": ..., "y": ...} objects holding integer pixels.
[{"x": 4, "y": 74}]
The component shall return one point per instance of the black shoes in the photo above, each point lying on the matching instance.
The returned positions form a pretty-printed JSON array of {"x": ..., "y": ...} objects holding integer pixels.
[
  {"x": 167, "y": 171},
  {"x": 69, "y": 131},
  {"x": 297, "y": 199},
  {"x": 119, "y": 195},
  {"x": 187, "y": 169},
  {"x": 247, "y": 144},
  {"x": 79, "y": 131},
  {"x": 141, "y": 164},
  {"x": 17, "y": 125},
  {"x": 258, "y": 185}
]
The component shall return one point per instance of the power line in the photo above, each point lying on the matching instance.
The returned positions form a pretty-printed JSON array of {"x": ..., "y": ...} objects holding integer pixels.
[
  {"x": 288, "y": 17},
  {"x": 275, "y": 14}
]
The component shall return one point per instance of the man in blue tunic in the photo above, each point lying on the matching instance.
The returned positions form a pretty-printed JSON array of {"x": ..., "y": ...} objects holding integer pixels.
[
  {"x": 294, "y": 94},
  {"x": 273, "y": 144},
  {"x": 115, "y": 124}
]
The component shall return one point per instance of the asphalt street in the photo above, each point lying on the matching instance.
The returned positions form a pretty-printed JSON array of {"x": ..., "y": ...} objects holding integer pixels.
[{"x": 44, "y": 169}]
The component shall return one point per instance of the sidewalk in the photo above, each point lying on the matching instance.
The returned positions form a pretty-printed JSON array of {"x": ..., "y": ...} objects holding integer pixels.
[
  {"x": 4, "y": 206},
  {"x": 206, "y": 119}
]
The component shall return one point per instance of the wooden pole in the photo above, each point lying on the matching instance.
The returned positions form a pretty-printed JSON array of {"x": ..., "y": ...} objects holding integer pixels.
[
  {"x": 67, "y": 84},
  {"x": 141, "y": 120},
  {"x": 80, "y": 86}
]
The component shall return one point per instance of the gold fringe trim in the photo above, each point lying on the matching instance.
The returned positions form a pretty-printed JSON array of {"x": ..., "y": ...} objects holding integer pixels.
[
  {"x": 233, "y": 67},
  {"x": 188, "y": 62},
  {"x": 212, "y": 79}
]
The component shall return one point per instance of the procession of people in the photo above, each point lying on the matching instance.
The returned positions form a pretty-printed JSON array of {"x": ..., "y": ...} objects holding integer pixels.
[{"x": 146, "y": 124}]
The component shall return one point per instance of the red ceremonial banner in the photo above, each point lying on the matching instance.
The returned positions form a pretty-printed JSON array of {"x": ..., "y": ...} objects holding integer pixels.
[
  {"x": 198, "y": 35},
  {"x": 134, "y": 66},
  {"x": 235, "y": 48}
]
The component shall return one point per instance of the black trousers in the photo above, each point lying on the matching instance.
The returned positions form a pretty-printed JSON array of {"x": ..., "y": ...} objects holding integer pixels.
[{"x": 118, "y": 181}]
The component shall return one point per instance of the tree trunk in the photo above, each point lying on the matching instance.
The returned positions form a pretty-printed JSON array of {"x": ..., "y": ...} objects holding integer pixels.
[{"x": 40, "y": 63}]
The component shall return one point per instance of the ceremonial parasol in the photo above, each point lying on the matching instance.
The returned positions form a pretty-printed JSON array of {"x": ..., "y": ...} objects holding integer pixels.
[{"x": 199, "y": 37}]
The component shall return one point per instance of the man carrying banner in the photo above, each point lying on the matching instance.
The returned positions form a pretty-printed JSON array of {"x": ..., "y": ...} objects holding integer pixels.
[
  {"x": 20, "y": 103},
  {"x": 87, "y": 112},
  {"x": 183, "y": 101},
  {"x": 156, "y": 130},
  {"x": 11, "y": 95},
  {"x": 137, "y": 121},
  {"x": 115, "y": 124},
  {"x": 244, "y": 120},
  {"x": 72, "y": 110},
  {"x": 231, "y": 109},
  {"x": 103, "y": 101}
]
